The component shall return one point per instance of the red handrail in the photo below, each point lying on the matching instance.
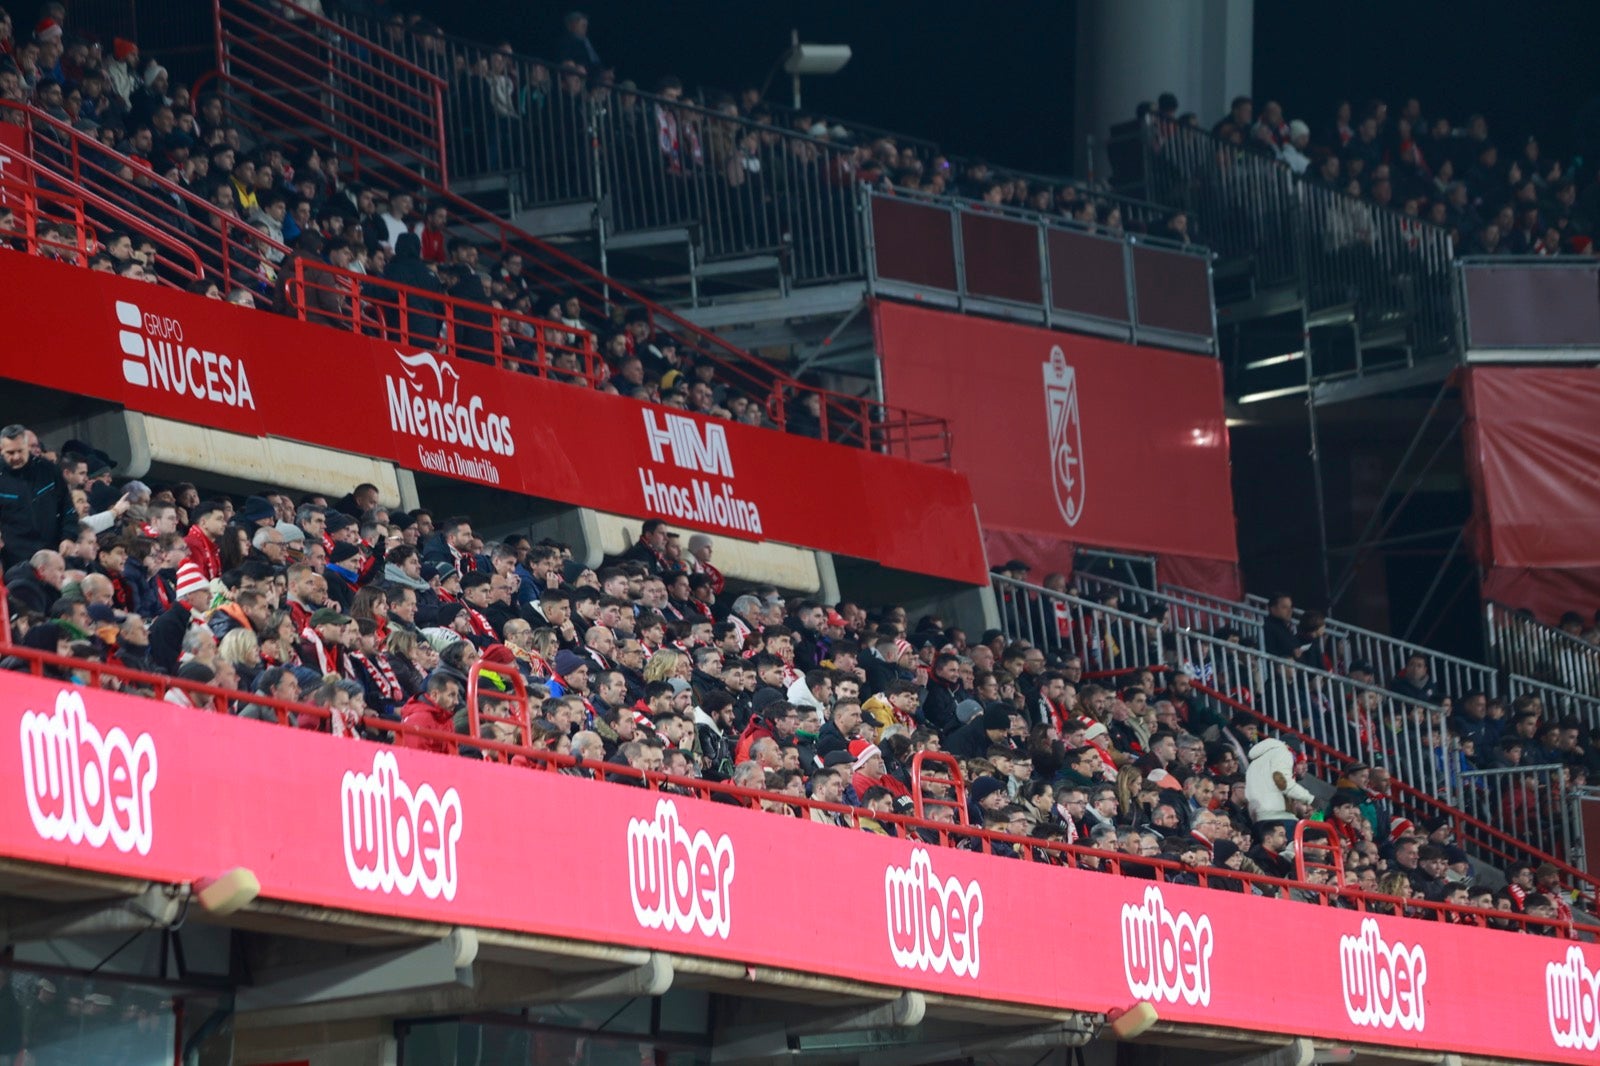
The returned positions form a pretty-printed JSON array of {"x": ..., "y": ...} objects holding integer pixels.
[
  {"x": 1334, "y": 846},
  {"x": 516, "y": 714},
  {"x": 237, "y": 238},
  {"x": 392, "y": 310},
  {"x": 951, "y": 778},
  {"x": 23, "y": 199}
]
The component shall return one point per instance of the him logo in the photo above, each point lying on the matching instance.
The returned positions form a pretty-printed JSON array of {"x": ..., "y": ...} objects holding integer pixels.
[
  {"x": 1166, "y": 956},
  {"x": 421, "y": 406},
  {"x": 690, "y": 451},
  {"x": 933, "y": 923},
  {"x": 1572, "y": 996},
  {"x": 87, "y": 787},
  {"x": 156, "y": 356},
  {"x": 1066, "y": 436},
  {"x": 702, "y": 500},
  {"x": 679, "y": 881},
  {"x": 398, "y": 839},
  {"x": 1382, "y": 981}
]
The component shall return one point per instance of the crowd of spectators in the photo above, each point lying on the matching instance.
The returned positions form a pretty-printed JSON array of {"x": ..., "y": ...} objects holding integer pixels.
[
  {"x": 1494, "y": 197},
  {"x": 655, "y": 661},
  {"x": 253, "y": 212}
]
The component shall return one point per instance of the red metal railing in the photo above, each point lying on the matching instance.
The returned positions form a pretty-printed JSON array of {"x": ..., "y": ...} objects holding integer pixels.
[
  {"x": 1029, "y": 849},
  {"x": 254, "y": 103},
  {"x": 35, "y": 209},
  {"x": 484, "y": 333},
  {"x": 318, "y": 72},
  {"x": 194, "y": 238}
]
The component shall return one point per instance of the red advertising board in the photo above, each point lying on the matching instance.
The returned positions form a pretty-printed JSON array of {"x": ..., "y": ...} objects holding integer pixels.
[
  {"x": 1533, "y": 442},
  {"x": 178, "y": 356},
  {"x": 144, "y": 789},
  {"x": 1071, "y": 438}
]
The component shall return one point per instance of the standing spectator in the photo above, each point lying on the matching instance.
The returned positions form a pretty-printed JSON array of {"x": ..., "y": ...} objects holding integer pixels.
[
  {"x": 36, "y": 509},
  {"x": 575, "y": 46}
]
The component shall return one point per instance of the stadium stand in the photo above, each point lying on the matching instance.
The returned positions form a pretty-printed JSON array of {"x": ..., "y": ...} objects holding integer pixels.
[
  {"x": 279, "y": 225},
  {"x": 1146, "y": 731}
]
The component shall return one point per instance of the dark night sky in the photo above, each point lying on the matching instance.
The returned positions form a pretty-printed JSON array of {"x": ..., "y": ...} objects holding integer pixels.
[{"x": 995, "y": 78}]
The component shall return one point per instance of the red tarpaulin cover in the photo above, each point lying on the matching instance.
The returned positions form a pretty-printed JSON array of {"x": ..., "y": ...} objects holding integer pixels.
[
  {"x": 1070, "y": 439},
  {"x": 1533, "y": 453}
]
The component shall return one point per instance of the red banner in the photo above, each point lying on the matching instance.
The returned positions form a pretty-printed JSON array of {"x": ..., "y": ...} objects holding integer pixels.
[
  {"x": 179, "y": 356},
  {"x": 1534, "y": 443},
  {"x": 1067, "y": 437},
  {"x": 143, "y": 789}
]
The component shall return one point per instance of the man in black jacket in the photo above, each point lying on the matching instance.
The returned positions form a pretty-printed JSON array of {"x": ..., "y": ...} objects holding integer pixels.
[
  {"x": 1278, "y": 635},
  {"x": 36, "y": 509},
  {"x": 419, "y": 323},
  {"x": 939, "y": 705}
]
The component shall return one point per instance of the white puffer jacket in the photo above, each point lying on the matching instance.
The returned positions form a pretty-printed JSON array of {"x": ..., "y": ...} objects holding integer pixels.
[{"x": 1269, "y": 782}]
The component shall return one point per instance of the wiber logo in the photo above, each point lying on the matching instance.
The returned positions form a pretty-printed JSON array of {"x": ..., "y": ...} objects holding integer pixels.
[
  {"x": 1572, "y": 994},
  {"x": 425, "y": 402},
  {"x": 156, "y": 356},
  {"x": 1382, "y": 981},
  {"x": 1166, "y": 955},
  {"x": 398, "y": 839},
  {"x": 87, "y": 787},
  {"x": 699, "y": 449},
  {"x": 933, "y": 923},
  {"x": 678, "y": 880}
]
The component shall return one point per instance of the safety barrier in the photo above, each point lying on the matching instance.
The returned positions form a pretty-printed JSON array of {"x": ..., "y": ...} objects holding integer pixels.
[
  {"x": 1521, "y": 644},
  {"x": 1558, "y": 700},
  {"x": 420, "y": 318},
  {"x": 1341, "y": 720},
  {"x": 1534, "y": 804},
  {"x": 1392, "y": 268},
  {"x": 314, "y": 75},
  {"x": 1528, "y": 307},
  {"x": 1348, "y": 644},
  {"x": 981, "y": 257}
]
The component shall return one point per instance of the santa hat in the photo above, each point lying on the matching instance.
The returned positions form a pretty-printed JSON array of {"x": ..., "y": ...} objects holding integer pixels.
[
  {"x": 190, "y": 580},
  {"x": 122, "y": 48},
  {"x": 47, "y": 30},
  {"x": 863, "y": 750}
]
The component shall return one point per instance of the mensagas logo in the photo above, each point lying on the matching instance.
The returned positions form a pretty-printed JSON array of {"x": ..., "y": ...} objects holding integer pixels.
[
  {"x": 677, "y": 880},
  {"x": 425, "y": 402},
  {"x": 1572, "y": 996},
  {"x": 1066, "y": 436},
  {"x": 1382, "y": 981},
  {"x": 87, "y": 787},
  {"x": 155, "y": 355},
  {"x": 398, "y": 839},
  {"x": 1166, "y": 955},
  {"x": 933, "y": 923}
]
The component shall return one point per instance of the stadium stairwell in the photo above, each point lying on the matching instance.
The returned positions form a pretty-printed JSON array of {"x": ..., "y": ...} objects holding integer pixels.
[{"x": 288, "y": 81}]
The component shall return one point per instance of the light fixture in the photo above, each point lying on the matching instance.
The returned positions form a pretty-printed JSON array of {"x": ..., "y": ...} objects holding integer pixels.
[{"x": 817, "y": 60}]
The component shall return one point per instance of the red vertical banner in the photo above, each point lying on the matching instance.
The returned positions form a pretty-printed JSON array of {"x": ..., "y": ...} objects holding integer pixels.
[{"x": 1071, "y": 438}]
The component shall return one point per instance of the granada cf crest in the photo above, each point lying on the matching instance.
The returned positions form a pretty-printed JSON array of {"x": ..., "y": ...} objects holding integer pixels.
[{"x": 1066, "y": 436}]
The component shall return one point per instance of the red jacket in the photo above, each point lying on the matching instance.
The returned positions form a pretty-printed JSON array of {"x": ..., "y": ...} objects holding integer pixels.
[
  {"x": 204, "y": 554},
  {"x": 423, "y": 713}
]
